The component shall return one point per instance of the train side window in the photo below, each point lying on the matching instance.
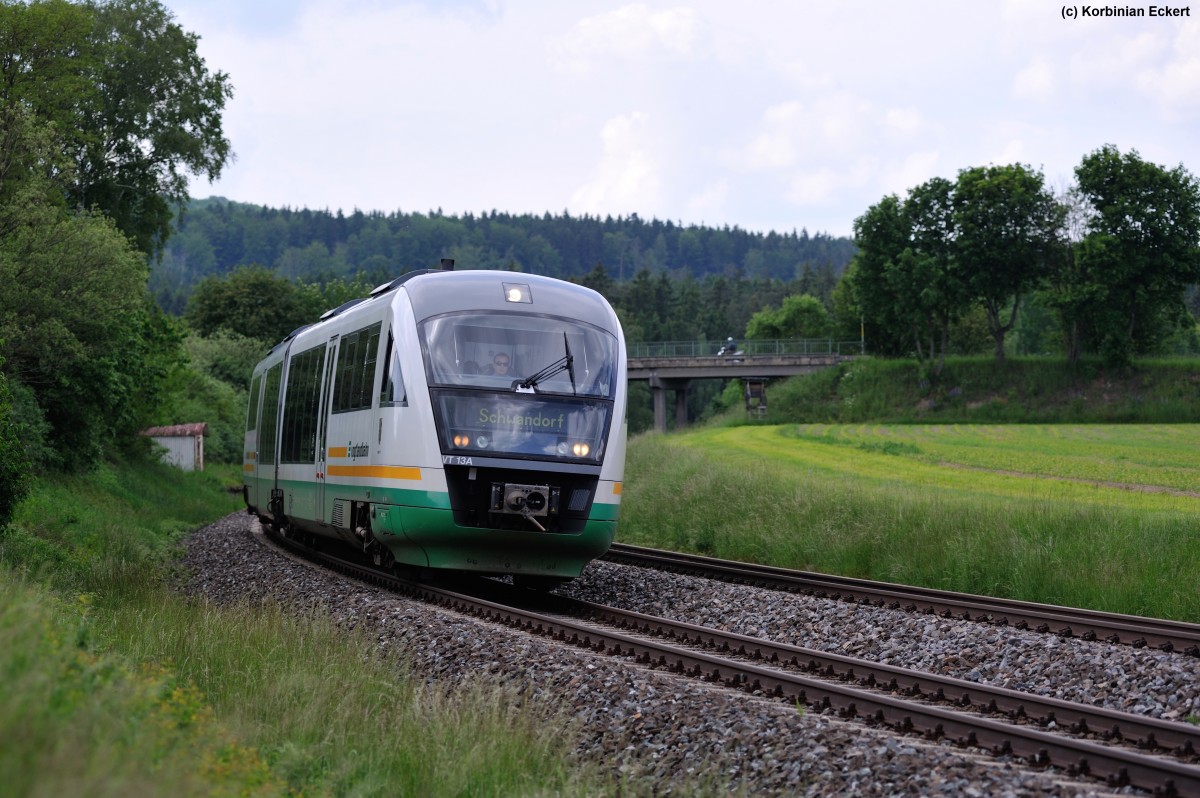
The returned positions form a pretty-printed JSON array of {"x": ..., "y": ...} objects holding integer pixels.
[
  {"x": 391, "y": 389},
  {"x": 356, "y": 369},
  {"x": 270, "y": 415},
  {"x": 301, "y": 401},
  {"x": 252, "y": 411}
]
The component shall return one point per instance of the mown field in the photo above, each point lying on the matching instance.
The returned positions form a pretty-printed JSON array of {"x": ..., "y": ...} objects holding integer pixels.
[{"x": 1102, "y": 516}]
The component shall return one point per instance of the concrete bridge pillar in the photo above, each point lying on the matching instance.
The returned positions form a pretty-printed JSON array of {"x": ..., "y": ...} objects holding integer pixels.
[{"x": 658, "y": 389}]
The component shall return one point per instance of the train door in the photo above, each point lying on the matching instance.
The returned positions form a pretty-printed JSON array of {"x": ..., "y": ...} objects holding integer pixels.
[
  {"x": 251, "y": 452},
  {"x": 266, "y": 441},
  {"x": 327, "y": 381}
]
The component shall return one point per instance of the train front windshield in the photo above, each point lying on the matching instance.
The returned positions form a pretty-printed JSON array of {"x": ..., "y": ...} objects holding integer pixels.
[{"x": 513, "y": 385}]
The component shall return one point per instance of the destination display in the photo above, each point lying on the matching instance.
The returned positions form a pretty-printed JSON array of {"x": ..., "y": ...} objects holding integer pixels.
[{"x": 502, "y": 424}]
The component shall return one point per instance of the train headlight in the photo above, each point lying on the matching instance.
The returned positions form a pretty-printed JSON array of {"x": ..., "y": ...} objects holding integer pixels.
[
  {"x": 517, "y": 292},
  {"x": 564, "y": 448},
  {"x": 482, "y": 441},
  {"x": 581, "y": 449},
  {"x": 462, "y": 441}
]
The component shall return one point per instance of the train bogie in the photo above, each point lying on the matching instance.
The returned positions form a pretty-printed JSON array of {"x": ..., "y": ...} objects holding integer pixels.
[{"x": 454, "y": 420}]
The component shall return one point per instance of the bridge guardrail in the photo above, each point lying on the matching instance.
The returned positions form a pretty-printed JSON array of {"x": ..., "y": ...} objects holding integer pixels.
[{"x": 809, "y": 346}]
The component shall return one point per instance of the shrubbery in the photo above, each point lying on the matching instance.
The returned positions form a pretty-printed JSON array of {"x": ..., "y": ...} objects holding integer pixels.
[{"x": 14, "y": 462}]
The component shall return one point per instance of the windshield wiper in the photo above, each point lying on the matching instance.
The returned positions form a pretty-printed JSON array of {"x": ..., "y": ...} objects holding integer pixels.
[{"x": 565, "y": 363}]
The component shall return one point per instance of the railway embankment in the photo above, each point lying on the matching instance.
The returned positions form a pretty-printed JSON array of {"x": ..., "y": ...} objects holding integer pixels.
[{"x": 978, "y": 390}]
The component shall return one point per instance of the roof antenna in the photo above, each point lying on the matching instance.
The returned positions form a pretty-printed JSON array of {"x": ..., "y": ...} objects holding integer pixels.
[{"x": 447, "y": 264}]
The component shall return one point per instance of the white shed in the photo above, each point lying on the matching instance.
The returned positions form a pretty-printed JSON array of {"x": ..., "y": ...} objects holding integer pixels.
[{"x": 184, "y": 444}]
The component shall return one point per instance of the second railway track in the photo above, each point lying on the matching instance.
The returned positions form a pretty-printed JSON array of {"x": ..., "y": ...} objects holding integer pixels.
[
  {"x": 1138, "y": 631},
  {"x": 1116, "y": 748}
]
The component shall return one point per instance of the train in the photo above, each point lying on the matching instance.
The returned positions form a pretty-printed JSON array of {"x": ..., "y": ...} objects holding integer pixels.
[{"x": 452, "y": 421}]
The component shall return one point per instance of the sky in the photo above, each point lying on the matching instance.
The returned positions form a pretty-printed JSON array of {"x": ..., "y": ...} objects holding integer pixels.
[{"x": 759, "y": 114}]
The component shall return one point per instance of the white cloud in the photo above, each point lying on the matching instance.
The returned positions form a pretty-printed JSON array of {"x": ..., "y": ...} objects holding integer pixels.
[
  {"x": 823, "y": 185},
  {"x": 1176, "y": 84},
  {"x": 902, "y": 174},
  {"x": 793, "y": 132},
  {"x": 783, "y": 128},
  {"x": 746, "y": 110},
  {"x": 1109, "y": 61},
  {"x": 904, "y": 121},
  {"x": 1013, "y": 151},
  {"x": 628, "y": 33},
  {"x": 627, "y": 177},
  {"x": 1035, "y": 82}
]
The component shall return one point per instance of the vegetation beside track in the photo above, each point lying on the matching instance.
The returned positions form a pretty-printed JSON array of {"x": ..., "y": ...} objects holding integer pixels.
[
  {"x": 978, "y": 390},
  {"x": 1015, "y": 511},
  {"x": 115, "y": 685}
]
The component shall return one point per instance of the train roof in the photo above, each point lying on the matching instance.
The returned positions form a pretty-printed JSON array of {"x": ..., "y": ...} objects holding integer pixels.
[{"x": 436, "y": 292}]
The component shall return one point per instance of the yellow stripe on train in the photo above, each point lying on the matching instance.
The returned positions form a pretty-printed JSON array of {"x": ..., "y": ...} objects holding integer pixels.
[{"x": 381, "y": 472}]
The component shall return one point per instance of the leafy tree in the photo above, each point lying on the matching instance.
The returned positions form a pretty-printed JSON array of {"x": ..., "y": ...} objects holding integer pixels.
[
  {"x": 1141, "y": 250},
  {"x": 881, "y": 234},
  {"x": 194, "y": 393},
  {"x": 14, "y": 462},
  {"x": 225, "y": 356},
  {"x": 1006, "y": 236},
  {"x": 926, "y": 279},
  {"x": 800, "y": 316},
  {"x": 134, "y": 106},
  {"x": 252, "y": 301},
  {"x": 74, "y": 319},
  {"x": 848, "y": 322},
  {"x": 906, "y": 279},
  {"x": 255, "y": 303}
]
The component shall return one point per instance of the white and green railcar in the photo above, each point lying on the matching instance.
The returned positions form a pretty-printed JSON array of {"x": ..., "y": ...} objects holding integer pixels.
[{"x": 465, "y": 420}]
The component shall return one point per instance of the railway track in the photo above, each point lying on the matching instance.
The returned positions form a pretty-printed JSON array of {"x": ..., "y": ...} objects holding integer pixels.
[
  {"x": 1116, "y": 748},
  {"x": 1138, "y": 631}
]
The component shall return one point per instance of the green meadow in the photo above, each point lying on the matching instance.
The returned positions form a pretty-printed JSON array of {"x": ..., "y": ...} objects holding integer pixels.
[{"x": 1100, "y": 516}]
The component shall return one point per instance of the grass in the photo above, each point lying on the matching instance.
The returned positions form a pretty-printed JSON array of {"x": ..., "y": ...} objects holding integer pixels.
[
  {"x": 116, "y": 685},
  {"x": 938, "y": 506},
  {"x": 977, "y": 390}
]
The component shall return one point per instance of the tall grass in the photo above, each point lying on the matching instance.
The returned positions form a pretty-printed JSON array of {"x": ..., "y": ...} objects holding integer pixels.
[
  {"x": 756, "y": 494},
  {"x": 115, "y": 685},
  {"x": 326, "y": 711}
]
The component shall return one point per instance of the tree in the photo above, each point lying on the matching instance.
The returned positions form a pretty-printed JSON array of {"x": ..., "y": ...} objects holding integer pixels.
[
  {"x": 14, "y": 462},
  {"x": 134, "y": 106},
  {"x": 881, "y": 234},
  {"x": 252, "y": 301},
  {"x": 905, "y": 275},
  {"x": 1141, "y": 250},
  {"x": 1006, "y": 238},
  {"x": 800, "y": 316},
  {"x": 76, "y": 324}
]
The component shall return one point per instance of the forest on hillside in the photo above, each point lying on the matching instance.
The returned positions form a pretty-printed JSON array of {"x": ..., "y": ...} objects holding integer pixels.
[{"x": 214, "y": 236}]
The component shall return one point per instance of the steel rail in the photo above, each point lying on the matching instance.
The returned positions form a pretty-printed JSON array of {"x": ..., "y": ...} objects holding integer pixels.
[
  {"x": 1179, "y": 739},
  {"x": 1077, "y": 757},
  {"x": 1134, "y": 630}
]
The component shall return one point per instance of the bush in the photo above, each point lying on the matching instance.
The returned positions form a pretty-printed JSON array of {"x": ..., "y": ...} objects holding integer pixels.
[{"x": 14, "y": 462}]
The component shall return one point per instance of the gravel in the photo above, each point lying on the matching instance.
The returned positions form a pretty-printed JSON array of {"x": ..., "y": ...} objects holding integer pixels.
[{"x": 650, "y": 727}]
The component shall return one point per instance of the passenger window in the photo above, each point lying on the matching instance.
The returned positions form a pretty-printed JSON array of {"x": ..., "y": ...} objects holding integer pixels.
[
  {"x": 252, "y": 411},
  {"x": 356, "y": 369},
  {"x": 391, "y": 390}
]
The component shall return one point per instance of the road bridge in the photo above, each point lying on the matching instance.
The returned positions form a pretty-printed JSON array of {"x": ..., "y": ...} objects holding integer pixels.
[{"x": 672, "y": 365}]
